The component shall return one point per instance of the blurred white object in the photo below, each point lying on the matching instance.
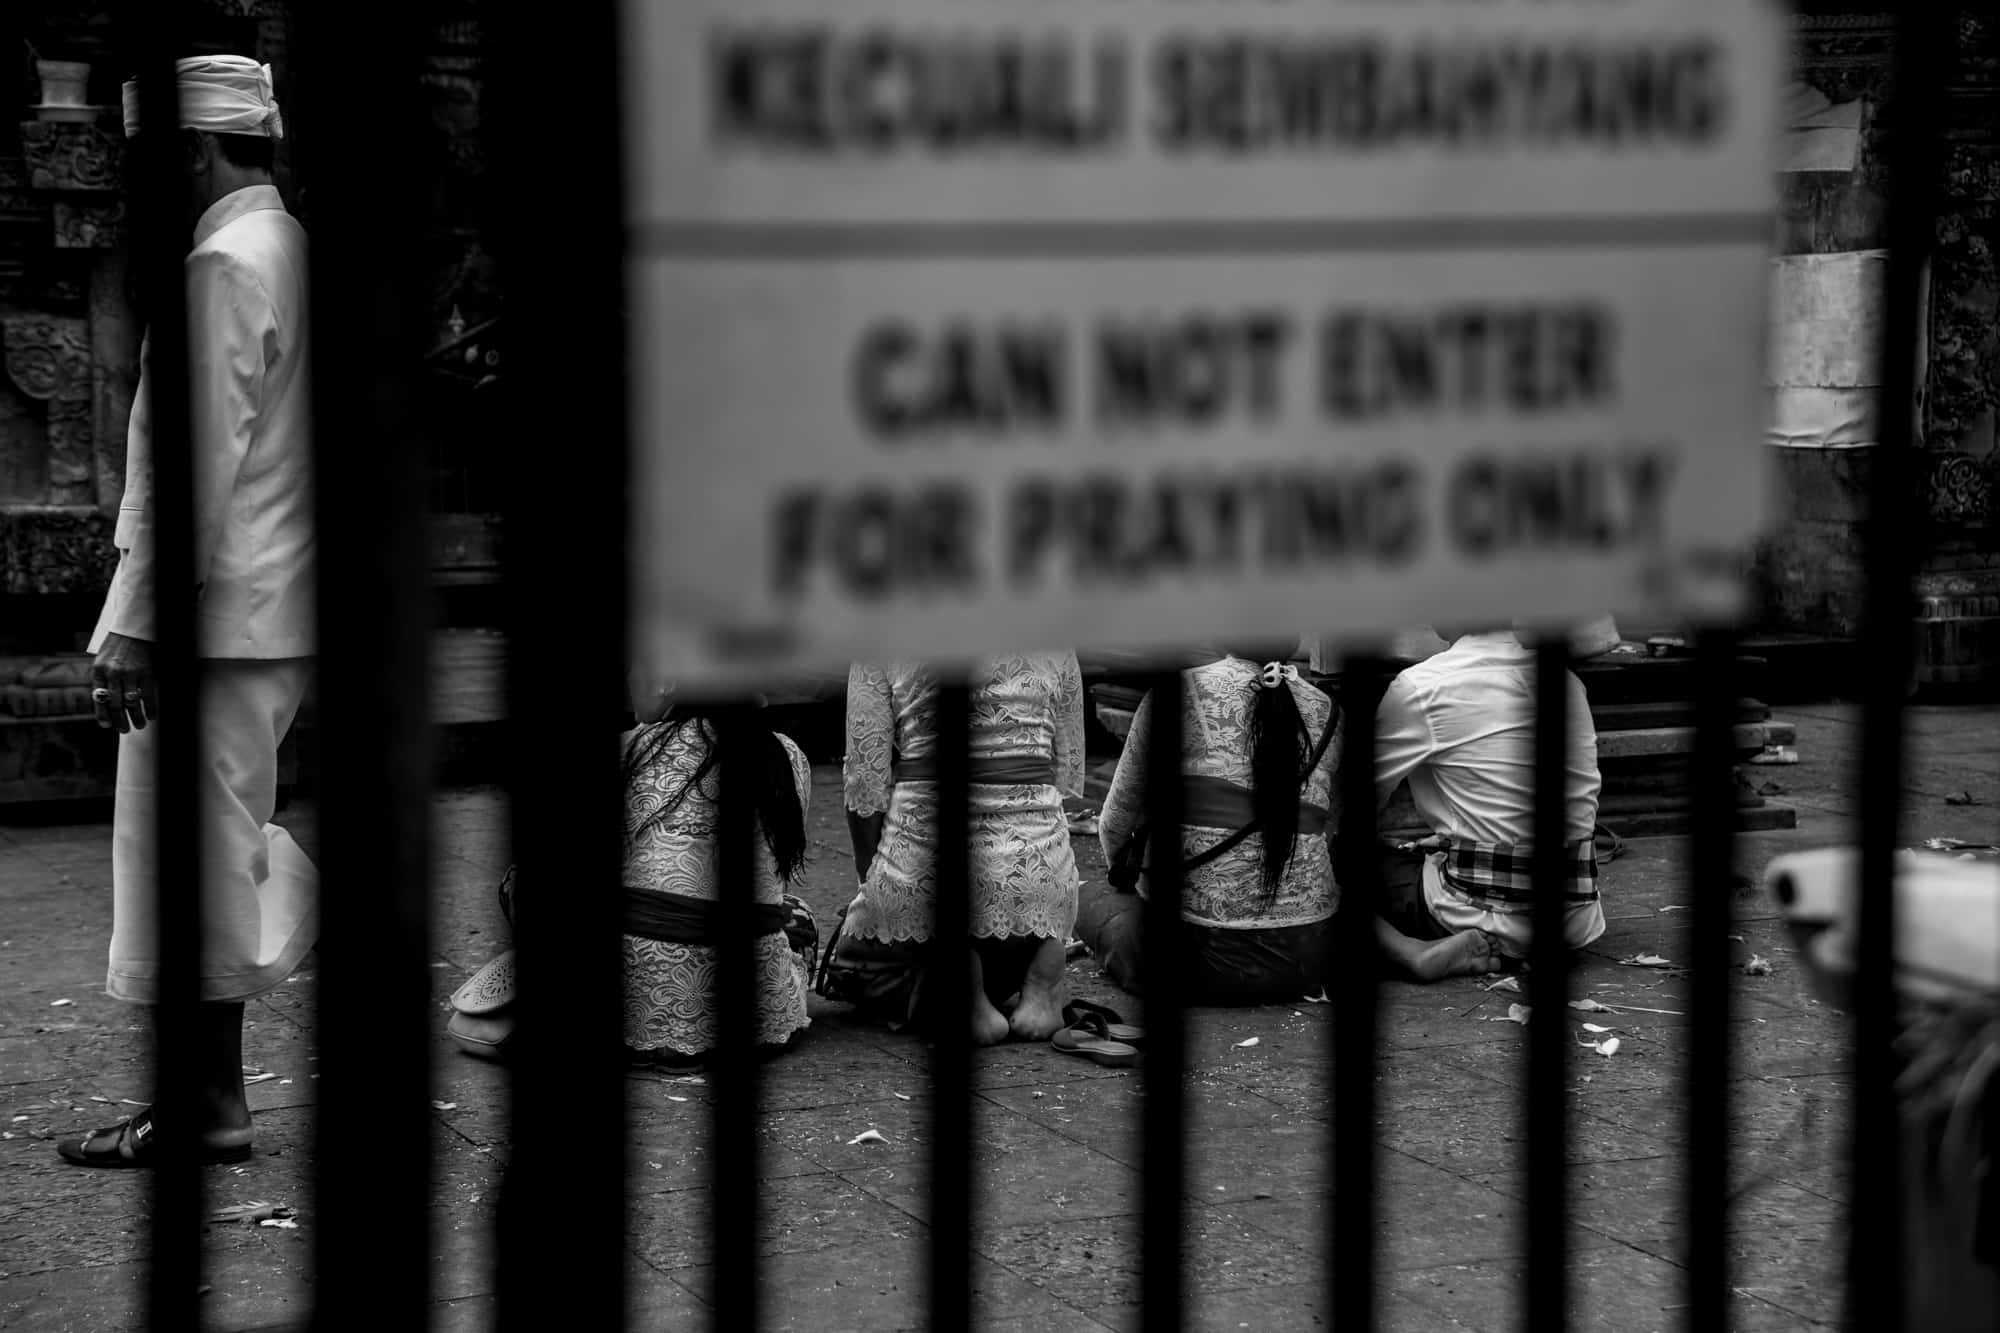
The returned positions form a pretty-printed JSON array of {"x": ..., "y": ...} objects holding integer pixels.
[{"x": 1947, "y": 921}]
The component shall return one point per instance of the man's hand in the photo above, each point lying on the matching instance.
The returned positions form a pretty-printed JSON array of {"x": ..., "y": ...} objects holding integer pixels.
[{"x": 123, "y": 691}]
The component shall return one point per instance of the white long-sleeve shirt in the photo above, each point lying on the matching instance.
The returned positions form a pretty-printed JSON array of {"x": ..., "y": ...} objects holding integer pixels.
[
  {"x": 251, "y": 408},
  {"x": 1460, "y": 727}
]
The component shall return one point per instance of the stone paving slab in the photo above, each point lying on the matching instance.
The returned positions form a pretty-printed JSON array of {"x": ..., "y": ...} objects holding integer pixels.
[{"x": 1060, "y": 1165}]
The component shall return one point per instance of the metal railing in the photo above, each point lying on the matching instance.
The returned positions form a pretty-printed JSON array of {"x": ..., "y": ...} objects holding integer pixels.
[{"x": 561, "y": 1222}]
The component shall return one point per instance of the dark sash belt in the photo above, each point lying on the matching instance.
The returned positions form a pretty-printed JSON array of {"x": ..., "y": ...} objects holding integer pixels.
[
  {"x": 987, "y": 770},
  {"x": 674, "y": 918},
  {"x": 1215, "y": 803}
]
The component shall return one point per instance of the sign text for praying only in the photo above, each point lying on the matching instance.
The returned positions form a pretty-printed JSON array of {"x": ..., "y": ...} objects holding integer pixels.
[{"x": 1015, "y": 382}]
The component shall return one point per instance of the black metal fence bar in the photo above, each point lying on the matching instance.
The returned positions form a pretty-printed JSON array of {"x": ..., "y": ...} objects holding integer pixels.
[
  {"x": 952, "y": 1199},
  {"x": 1351, "y": 986},
  {"x": 1164, "y": 1153},
  {"x": 1548, "y": 995},
  {"x": 1710, "y": 869},
  {"x": 733, "y": 1157},
  {"x": 377, "y": 757},
  {"x": 159, "y": 208},
  {"x": 1923, "y": 61},
  {"x": 562, "y": 1254}
]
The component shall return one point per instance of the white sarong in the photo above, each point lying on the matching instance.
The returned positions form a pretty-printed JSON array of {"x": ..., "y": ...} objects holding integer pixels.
[{"x": 260, "y": 890}]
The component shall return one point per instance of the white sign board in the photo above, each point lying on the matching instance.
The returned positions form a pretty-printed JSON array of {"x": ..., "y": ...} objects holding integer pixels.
[{"x": 975, "y": 325}]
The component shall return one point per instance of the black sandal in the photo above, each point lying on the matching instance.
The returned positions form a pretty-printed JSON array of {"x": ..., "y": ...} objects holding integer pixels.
[
  {"x": 132, "y": 1144},
  {"x": 1078, "y": 1013}
]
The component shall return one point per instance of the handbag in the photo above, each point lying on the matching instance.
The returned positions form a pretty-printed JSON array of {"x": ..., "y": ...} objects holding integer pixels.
[
  {"x": 482, "y": 1010},
  {"x": 1130, "y": 861}
]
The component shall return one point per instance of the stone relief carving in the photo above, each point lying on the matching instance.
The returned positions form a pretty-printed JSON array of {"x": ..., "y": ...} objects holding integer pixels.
[
  {"x": 48, "y": 356},
  {"x": 89, "y": 226},
  {"x": 72, "y": 452},
  {"x": 72, "y": 157},
  {"x": 1960, "y": 489}
]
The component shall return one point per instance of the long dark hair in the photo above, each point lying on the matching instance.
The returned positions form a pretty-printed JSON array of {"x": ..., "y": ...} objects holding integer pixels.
[
  {"x": 738, "y": 731},
  {"x": 1280, "y": 744}
]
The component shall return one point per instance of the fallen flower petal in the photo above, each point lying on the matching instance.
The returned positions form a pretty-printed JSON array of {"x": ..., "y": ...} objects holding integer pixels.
[
  {"x": 1645, "y": 960},
  {"x": 1608, "y": 1047},
  {"x": 444, "y": 1106},
  {"x": 1316, "y": 999},
  {"x": 1590, "y": 1007},
  {"x": 1507, "y": 984},
  {"x": 1595, "y": 1027},
  {"x": 866, "y": 1136},
  {"x": 1518, "y": 1013},
  {"x": 1758, "y": 966},
  {"x": 57, "y": 1004},
  {"x": 283, "y": 1223},
  {"x": 900, "y": 1096},
  {"x": 672, "y": 1098},
  {"x": 1247, "y": 1041}
]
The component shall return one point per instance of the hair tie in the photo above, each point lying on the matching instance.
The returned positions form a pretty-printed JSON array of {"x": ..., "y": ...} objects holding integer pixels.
[{"x": 1275, "y": 674}]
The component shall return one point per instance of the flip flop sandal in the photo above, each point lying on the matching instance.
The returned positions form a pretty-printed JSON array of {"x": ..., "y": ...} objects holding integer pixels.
[
  {"x": 131, "y": 1144},
  {"x": 1115, "y": 1028},
  {"x": 1087, "y": 1038}
]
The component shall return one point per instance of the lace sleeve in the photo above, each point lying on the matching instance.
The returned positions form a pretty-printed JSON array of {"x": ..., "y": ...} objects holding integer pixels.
[
  {"x": 1125, "y": 803},
  {"x": 1070, "y": 703},
  {"x": 871, "y": 739}
]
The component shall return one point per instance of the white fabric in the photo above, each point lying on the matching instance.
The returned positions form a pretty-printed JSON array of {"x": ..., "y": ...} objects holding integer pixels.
[
  {"x": 260, "y": 892},
  {"x": 1825, "y": 363},
  {"x": 248, "y": 344},
  {"x": 1460, "y": 728},
  {"x": 220, "y": 94}
]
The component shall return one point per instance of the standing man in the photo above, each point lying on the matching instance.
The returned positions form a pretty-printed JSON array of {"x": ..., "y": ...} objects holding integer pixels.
[{"x": 250, "y": 407}]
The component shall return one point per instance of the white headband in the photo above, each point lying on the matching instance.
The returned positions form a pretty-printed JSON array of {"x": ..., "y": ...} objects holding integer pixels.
[{"x": 220, "y": 94}]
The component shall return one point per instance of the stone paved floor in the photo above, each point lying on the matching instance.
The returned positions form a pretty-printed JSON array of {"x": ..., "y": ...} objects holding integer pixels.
[{"x": 1057, "y": 1241}]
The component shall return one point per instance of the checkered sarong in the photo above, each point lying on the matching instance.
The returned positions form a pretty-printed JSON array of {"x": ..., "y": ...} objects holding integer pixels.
[{"x": 1502, "y": 873}]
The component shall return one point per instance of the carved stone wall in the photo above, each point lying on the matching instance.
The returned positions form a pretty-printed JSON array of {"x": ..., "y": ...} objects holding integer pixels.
[
  {"x": 1813, "y": 568},
  {"x": 61, "y": 221}
]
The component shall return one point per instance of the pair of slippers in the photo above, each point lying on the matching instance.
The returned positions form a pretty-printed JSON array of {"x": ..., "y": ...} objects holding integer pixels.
[{"x": 1098, "y": 1034}]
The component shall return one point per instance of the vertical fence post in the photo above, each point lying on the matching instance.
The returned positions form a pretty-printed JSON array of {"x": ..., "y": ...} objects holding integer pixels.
[
  {"x": 951, "y": 1053},
  {"x": 160, "y": 208},
  {"x": 1710, "y": 868},
  {"x": 733, "y": 1157},
  {"x": 1548, "y": 995},
  {"x": 1165, "y": 1150},
  {"x": 562, "y": 1251},
  {"x": 374, "y": 670},
  {"x": 1351, "y": 986},
  {"x": 1923, "y": 62}
]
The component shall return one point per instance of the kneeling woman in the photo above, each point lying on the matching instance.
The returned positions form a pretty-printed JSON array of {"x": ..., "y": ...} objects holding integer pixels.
[
  {"x": 1027, "y": 753},
  {"x": 673, "y": 770},
  {"x": 1259, "y": 751}
]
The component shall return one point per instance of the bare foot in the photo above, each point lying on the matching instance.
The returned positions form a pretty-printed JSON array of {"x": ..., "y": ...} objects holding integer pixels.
[
  {"x": 1470, "y": 953},
  {"x": 1039, "y": 1014},
  {"x": 989, "y": 1025}
]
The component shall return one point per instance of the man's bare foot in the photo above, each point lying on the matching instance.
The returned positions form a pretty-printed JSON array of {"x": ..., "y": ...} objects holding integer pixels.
[
  {"x": 1470, "y": 953},
  {"x": 1039, "y": 1014}
]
